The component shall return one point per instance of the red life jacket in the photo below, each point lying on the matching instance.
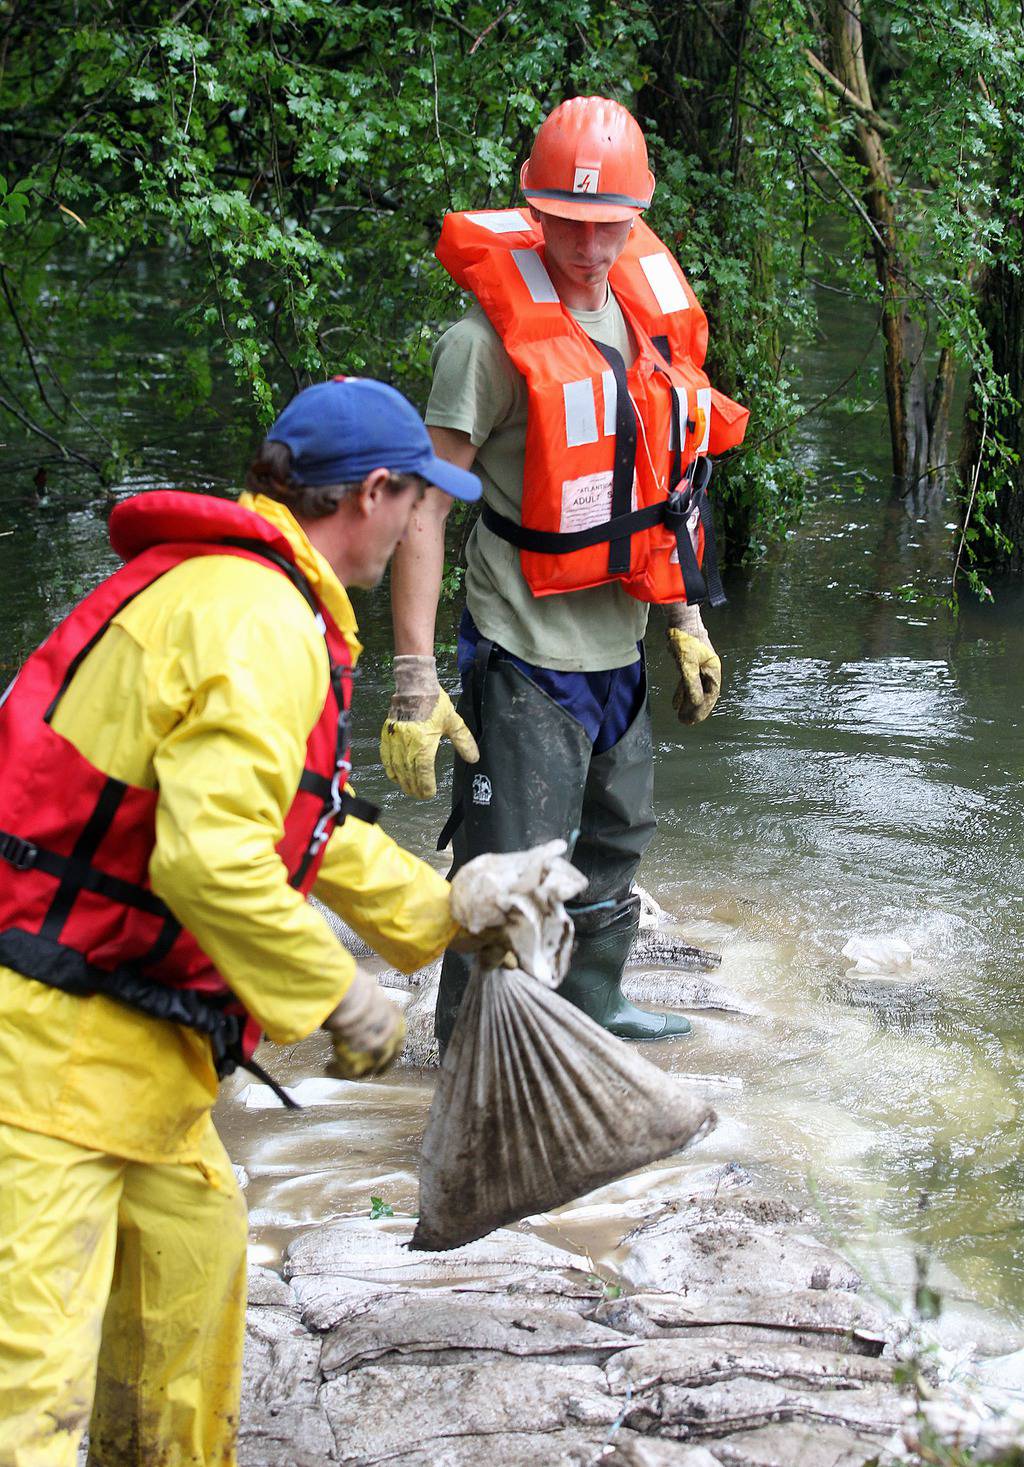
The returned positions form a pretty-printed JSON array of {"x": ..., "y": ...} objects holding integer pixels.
[
  {"x": 616, "y": 459},
  {"x": 76, "y": 907}
]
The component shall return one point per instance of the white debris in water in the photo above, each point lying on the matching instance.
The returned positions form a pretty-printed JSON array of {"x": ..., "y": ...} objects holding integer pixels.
[
  {"x": 883, "y": 957},
  {"x": 324, "y": 1090},
  {"x": 652, "y": 914}
]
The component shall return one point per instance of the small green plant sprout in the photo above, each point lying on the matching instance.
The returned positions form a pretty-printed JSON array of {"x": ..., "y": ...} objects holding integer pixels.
[{"x": 380, "y": 1208}]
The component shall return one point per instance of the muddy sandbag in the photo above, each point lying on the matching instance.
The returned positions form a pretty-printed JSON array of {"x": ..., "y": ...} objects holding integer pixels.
[{"x": 537, "y": 1105}]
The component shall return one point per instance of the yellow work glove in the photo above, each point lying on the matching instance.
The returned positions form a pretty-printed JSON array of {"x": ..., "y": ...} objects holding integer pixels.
[
  {"x": 367, "y": 1031},
  {"x": 421, "y": 713},
  {"x": 700, "y": 668}
]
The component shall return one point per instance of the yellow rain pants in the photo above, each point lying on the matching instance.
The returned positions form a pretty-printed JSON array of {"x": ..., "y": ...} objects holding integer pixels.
[{"x": 124, "y": 1282}]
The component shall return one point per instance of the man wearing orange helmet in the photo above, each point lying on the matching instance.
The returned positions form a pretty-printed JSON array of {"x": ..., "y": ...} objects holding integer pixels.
[{"x": 574, "y": 387}]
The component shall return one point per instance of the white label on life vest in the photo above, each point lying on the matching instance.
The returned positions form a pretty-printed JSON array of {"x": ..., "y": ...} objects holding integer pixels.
[
  {"x": 588, "y": 501},
  {"x": 704, "y": 406},
  {"x": 664, "y": 282},
  {"x": 501, "y": 221},
  {"x": 580, "y": 413},
  {"x": 611, "y": 399},
  {"x": 535, "y": 277}
]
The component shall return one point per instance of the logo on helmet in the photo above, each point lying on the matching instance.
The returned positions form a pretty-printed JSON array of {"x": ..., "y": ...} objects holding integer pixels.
[{"x": 586, "y": 181}]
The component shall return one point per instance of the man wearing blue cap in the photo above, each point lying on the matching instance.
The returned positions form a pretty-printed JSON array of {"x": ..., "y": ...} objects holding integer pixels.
[{"x": 173, "y": 762}]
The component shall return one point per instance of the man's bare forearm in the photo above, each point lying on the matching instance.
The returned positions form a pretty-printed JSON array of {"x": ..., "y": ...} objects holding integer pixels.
[
  {"x": 418, "y": 563},
  {"x": 416, "y": 572}
]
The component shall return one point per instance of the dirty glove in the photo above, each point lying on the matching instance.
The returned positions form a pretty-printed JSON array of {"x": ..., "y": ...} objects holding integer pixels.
[
  {"x": 700, "y": 669},
  {"x": 515, "y": 902},
  {"x": 366, "y": 1030},
  {"x": 420, "y": 713}
]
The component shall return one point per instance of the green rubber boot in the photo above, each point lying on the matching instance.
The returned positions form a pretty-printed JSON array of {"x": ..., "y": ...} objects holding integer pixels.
[{"x": 594, "y": 979}]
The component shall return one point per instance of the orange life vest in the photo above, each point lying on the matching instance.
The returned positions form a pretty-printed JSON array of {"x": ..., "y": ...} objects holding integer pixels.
[{"x": 617, "y": 459}]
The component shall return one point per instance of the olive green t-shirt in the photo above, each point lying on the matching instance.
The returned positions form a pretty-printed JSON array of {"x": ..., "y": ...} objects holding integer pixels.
[{"x": 478, "y": 390}]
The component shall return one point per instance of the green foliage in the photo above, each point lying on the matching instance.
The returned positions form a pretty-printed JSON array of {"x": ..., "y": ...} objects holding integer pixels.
[
  {"x": 298, "y": 154},
  {"x": 379, "y": 1208},
  {"x": 292, "y": 160}
]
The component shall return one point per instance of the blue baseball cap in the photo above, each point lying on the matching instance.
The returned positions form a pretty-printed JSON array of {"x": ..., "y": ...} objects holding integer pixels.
[{"x": 340, "y": 431}]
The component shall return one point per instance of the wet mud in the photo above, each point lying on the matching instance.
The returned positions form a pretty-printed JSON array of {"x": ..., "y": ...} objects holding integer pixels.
[{"x": 695, "y": 1313}]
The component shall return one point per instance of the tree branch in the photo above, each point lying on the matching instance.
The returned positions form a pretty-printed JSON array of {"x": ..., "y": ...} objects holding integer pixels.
[
  {"x": 32, "y": 427},
  {"x": 843, "y": 92}
]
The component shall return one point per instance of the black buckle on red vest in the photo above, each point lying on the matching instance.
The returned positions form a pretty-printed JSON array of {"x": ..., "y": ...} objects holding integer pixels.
[{"x": 21, "y": 854}]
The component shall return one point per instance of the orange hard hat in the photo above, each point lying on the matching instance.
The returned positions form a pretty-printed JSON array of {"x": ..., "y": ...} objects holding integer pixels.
[{"x": 589, "y": 161}]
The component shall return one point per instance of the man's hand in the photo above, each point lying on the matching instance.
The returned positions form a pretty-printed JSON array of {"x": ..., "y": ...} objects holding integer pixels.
[
  {"x": 700, "y": 668},
  {"x": 512, "y": 903},
  {"x": 421, "y": 713},
  {"x": 367, "y": 1031}
]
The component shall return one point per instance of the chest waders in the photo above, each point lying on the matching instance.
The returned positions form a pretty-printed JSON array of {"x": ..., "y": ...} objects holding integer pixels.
[{"x": 538, "y": 779}]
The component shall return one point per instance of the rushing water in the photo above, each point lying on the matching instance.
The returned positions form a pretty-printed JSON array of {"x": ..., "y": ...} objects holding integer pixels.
[{"x": 861, "y": 777}]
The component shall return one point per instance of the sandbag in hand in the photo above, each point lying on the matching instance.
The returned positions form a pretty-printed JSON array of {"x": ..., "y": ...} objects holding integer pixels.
[{"x": 515, "y": 900}]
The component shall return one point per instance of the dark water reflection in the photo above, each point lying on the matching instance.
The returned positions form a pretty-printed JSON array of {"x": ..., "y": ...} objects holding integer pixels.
[{"x": 861, "y": 777}]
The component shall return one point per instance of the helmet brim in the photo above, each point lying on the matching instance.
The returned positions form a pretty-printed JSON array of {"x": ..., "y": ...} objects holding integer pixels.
[{"x": 572, "y": 209}]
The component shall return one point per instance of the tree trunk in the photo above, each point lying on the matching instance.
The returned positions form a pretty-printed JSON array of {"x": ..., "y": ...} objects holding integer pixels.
[
  {"x": 694, "y": 96},
  {"x": 918, "y": 412},
  {"x": 1001, "y": 309}
]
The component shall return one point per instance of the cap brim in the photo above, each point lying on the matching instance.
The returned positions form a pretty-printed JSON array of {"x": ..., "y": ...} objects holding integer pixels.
[
  {"x": 459, "y": 483},
  {"x": 599, "y": 213}
]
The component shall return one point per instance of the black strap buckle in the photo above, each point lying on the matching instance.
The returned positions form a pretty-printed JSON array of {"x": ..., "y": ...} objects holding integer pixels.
[{"x": 21, "y": 854}]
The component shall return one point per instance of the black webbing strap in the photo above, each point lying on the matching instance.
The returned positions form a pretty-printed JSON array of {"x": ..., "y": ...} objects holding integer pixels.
[
  {"x": 169, "y": 933},
  {"x": 672, "y": 512},
  {"x": 481, "y": 661},
  {"x": 451, "y": 825},
  {"x": 675, "y": 467},
  {"x": 563, "y": 542},
  {"x": 624, "y": 463},
  {"x": 58, "y": 966},
  {"x": 319, "y": 785},
  {"x": 76, "y": 872},
  {"x": 79, "y": 863},
  {"x": 699, "y": 473}
]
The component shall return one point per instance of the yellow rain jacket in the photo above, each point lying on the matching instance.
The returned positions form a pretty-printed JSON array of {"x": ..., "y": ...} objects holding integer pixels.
[{"x": 206, "y": 687}]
